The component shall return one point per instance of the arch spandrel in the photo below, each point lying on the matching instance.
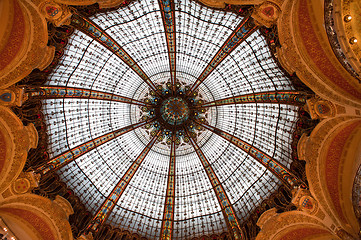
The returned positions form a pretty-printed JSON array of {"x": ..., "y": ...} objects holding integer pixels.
[
  {"x": 38, "y": 216},
  {"x": 306, "y": 51},
  {"x": 16, "y": 139},
  {"x": 292, "y": 225},
  {"x": 24, "y": 39},
  {"x": 332, "y": 158}
]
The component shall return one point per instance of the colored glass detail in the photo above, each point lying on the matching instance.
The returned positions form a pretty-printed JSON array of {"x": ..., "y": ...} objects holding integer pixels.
[
  {"x": 91, "y": 29},
  {"x": 168, "y": 216},
  {"x": 6, "y": 97},
  {"x": 108, "y": 205},
  {"x": 174, "y": 111},
  {"x": 290, "y": 97},
  {"x": 245, "y": 28},
  {"x": 227, "y": 209},
  {"x": 69, "y": 92},
  {"x": 167, "y": 9},
  {"x": 271, "y": 164},
  {"x": 80, "y": 150}
]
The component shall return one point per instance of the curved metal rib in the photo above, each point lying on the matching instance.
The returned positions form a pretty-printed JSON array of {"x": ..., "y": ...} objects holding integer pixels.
[
  {"x": 72, "y": 154},
  {"x": 108, "y": 205}
]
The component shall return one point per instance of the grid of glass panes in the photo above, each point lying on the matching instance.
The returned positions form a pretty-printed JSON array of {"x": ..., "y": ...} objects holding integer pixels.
[{"x": 200, "y": 32}]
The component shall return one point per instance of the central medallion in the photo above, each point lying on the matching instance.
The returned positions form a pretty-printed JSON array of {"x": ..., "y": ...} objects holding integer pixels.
[{"x": 174, "y": 111}]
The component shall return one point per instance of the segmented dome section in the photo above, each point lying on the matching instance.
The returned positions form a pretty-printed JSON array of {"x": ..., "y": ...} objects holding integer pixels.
[{"x": 200, "y": 32}]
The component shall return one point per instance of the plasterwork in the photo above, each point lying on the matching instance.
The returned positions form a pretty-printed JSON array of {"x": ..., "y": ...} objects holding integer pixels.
[
  {"x": 330, "y": 169},
  {"x": 35, "y": 223},
  {"x": 346, "y": 30},
  {"x": 64, "y": 204},
  {"x": 35, "y": 54},
  {"x": 50, "y": 211},
  {"x": 59, "y": 15},
  {"x": 293, "y": 59},
  {"x": 102, "y": 3},
  {"x": 25, "y": 225},
  {"x": 222, "y": 3},
  {"x": 89, "y": 236},
  {"x": 348, "y": 168},
  {"x": 25, "y": 183},
  {"x": 263, "y": 19},
  {"x": 17, "y": 96},
  {"x": 316, "y": 147},
  {"x": 279, "y": 224},
  {"x": 315, "y": 102},
  {"x": 6, "y": 18},
  {"x": 302, "y": 196},
  {"x": 15, "y": 36},
  {"x": 18, "y": 139}
]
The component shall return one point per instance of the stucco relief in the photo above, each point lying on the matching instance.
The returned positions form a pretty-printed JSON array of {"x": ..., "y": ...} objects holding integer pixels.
[
  {"x": 16, "y": 140},
  {"x": 32, "y": 210},
  {"x": 276, "y": 226},
  {"x": 30, "y": 37},
  {"x": 319, "y": 108},
  {"x": 266, "y": 14},
  {"x": 294, "y": 57},
  {"x": 58, "y": 14},
  {"x": 317, "y": 146}
]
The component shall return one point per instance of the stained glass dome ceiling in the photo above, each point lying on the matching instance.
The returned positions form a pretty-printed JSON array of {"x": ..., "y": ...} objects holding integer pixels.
[{"x": 107, "y": 116}]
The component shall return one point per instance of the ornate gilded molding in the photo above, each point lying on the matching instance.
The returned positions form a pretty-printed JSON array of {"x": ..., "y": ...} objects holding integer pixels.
[
  {"x": 267, "y": 13},
  {"x": 317, "y": 146},
  {"x": 12, "y": 96},
  {"x": 223, "y": 3},
  {"x": 48, "y": 219},
  {"x": 295, "y": 56},
  {"x": 16, "y": 139},
  {"x": 27, "y": 48},
  {"x": 58, "y": 14},
  {"x": 294, "y": 225},
  {"x": 320, "y": 109},
  {"x": 342, "y": 25}
]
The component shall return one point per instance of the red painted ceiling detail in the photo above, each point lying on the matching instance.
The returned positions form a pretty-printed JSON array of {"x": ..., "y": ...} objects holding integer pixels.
[
  {"x": 3, "y": 148},
  {"x": 317, "y": 54},
  {"x": 15, "y": 39},
  {"x": 332, "y": 165},
  {"x": 34, "y": 220},
  {"x": 302, "y": 233},
  {"x": 268, "y": 11}
]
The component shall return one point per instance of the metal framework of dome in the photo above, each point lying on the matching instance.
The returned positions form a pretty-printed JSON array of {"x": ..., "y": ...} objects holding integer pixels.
[{"x": 170, "y": 119}]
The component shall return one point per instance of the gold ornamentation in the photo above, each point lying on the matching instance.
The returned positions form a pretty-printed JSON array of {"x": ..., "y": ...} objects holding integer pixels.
[
  {"x": 35, "y": 54},
  {"x": 56, "y": 13},
  {"x": 18, "y": 140},
  {"x": 88, "y": 236},
  {"x": 222, "y": 4},
  {"x": 304, "y": 201},
  {"x": 283, "y": 222},
  {"x": 315, "y": 146},
  {"x": 54, "y": 215},
  {"x": 319, "y": 108},
  {"x": 25, "y": 183},
  {"x": 266, "y": 14},
  {"x": 294, "y": 58}
]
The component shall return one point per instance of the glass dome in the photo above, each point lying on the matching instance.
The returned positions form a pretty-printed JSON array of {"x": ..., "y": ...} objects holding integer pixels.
[{"x": 200, "y": 33}]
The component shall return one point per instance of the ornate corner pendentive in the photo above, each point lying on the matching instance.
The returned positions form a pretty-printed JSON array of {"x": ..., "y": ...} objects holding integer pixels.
[
  {"x": 39, "y": 217},
  {"x": 15, "y": 141},
  {"x": 303, "y": 200},
  {"x": 320, "y": 109},
  {"x": 266, "y": 14},
  {"x": 12, "y": 96},
  {"x": 58, "y": 14}
]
